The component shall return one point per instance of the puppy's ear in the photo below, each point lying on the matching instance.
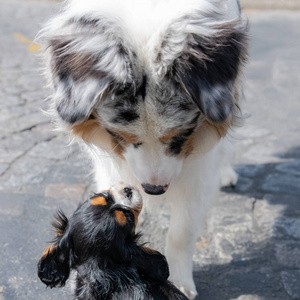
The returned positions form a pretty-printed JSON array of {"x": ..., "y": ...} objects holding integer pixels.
[
  {"x": 54, "y": 265},
  {"x": 86, "y": 58},
  {"x": 207, "y": 60}
]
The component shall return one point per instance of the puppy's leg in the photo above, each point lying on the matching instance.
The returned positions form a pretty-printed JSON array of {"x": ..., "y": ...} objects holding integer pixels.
[{"x": 190, "y": 202}]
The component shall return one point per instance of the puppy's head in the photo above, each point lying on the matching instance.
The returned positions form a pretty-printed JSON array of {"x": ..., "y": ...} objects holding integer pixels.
[
  {"x": 102, "y": 229},
  {"x": 145, "y": 96}
]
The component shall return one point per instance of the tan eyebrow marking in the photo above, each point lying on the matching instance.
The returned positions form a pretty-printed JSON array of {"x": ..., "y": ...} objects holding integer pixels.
[
  {"x": 185, "y": 143},
  {"x": 120, "y": 217},
  {"x": 99, "y": 201},
  {"x": 169, "y": 135},
  {"x": 188, "y": 146}
]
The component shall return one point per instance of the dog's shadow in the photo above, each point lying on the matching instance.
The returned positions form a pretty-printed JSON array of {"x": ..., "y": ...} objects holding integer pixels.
[{"x": 270, "y": 192}]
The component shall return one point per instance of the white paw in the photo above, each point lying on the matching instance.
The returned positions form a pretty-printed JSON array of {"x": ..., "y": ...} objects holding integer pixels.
[
  {"x": 187, "y": 288},
  {"x": 228, "y": 176},
  {"x": 191, "y": 294}
]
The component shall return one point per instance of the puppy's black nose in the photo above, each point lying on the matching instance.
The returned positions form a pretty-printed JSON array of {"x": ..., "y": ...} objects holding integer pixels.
[
  {"x": 154, "y": 189},
  {"x": 128, "y": 192}
]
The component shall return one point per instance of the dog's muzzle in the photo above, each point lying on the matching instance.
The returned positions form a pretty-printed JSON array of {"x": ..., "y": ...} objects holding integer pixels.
[{"x": 154, "y": 189}]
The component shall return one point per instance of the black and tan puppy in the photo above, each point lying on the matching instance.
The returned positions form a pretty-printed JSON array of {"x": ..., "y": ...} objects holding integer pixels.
[{"x": 100, "y": 244}]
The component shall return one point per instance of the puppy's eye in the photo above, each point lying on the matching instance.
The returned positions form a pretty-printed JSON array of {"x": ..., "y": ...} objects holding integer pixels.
[
  {"x": 127, "y": 192},
  {"x": 136, "y": 145}
]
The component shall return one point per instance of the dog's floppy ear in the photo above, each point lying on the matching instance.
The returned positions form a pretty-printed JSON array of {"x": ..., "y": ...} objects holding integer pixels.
[
  {"x": 150, "y": 263},
  {"x": 125, "y": 248},
  {"x": 54, "y": 265},
  {"x": 207, "y": 58},
  {"x": 153, "y": 264},
  {"x": 85, "y": 58}
]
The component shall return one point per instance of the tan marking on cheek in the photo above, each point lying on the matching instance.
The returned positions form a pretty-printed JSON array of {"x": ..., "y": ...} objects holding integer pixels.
[
  {"x": 91, "y": 131},
  {"x": 120, "y": 217},
  {"x": 136, "y": 214},
  {"x": 48, "y": 250},
  {"x": 187, "y": 147},
  {"x": 99, "y": 201},
  {"x": 87, "y": 129},
  {"x": 117, "y": 147}
]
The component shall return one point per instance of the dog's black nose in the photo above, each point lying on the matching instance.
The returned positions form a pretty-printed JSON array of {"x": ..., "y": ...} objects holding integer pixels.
[
  {"x": 128, "y": 192},
  {"x": 154, "y": 189}
]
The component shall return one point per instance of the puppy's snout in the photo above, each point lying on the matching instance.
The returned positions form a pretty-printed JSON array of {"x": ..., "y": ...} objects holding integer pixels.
[
  {"x": 127, "y": 192},
  {"x": 154, "y": 189}
]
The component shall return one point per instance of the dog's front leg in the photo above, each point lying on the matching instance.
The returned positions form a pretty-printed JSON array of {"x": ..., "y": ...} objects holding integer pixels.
[
  {"x": 180, "y": 247},
  {"x": 189, "y": 208}
]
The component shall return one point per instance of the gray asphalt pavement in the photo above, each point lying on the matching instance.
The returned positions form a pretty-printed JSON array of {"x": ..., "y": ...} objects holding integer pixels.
[{"x": 251, "y": 248}]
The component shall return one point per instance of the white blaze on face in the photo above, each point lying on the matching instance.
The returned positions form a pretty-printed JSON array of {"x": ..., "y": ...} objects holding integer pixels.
[{"x": 151, "y": 165}]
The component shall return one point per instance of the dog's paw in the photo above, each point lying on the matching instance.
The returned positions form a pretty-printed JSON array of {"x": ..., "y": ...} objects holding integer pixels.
[
  {"x": 190, "y": 293},
  {"x": 188, "y": 288},
  {"x": 228, "y": 177}
]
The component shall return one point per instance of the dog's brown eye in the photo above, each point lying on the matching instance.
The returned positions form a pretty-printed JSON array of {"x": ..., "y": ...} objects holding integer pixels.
[{"x": 136, "y": 145}]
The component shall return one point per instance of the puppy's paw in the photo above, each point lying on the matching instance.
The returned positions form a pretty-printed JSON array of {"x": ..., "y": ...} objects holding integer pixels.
[
  {"x": 228, "y": 177},
  {"x": 190, "y": 293}
]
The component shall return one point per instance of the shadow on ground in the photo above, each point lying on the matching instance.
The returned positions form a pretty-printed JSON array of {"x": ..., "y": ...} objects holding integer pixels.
[{"x": 268, "y": 266}]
